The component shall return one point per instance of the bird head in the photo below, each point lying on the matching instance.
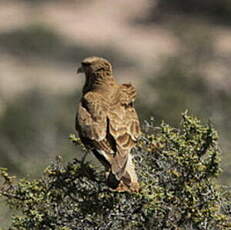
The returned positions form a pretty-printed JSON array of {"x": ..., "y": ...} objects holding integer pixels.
[{"x": 94, "y": 65}]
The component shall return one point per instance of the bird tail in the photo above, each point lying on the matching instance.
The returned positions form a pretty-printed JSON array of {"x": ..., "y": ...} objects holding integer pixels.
[
  {"x": 117, "y": 170},
  {"x": 128, "y": 181}
]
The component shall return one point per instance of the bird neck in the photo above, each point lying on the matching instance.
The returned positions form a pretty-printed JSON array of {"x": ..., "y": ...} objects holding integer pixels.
[{"x": 99, "y": 81}]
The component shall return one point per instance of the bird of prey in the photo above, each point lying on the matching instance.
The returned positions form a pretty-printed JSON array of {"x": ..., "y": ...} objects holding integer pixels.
[{"x": 107, "y": 122}]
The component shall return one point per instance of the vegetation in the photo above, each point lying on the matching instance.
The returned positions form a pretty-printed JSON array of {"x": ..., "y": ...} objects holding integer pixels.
[
  {"x": 34, "y": 125},
  {"x": 177, "y": 169},
  {"x": 43, "y": 122},
  {"x": 181, "y": 83}
]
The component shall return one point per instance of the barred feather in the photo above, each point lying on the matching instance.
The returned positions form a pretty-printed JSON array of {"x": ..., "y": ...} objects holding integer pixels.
[{"x": 107, "y": 121}]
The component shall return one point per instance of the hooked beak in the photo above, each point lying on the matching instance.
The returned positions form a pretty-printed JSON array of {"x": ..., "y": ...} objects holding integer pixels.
[{"x": 80, "y": 70}]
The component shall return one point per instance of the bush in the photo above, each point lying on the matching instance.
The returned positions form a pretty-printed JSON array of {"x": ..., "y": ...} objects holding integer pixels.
[
  {"x": 43, "y": 123},
  {"x": 177, "y": 170}
]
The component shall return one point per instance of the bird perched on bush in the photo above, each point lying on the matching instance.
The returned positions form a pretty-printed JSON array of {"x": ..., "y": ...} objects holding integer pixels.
[{"x": 107, "y": 122}]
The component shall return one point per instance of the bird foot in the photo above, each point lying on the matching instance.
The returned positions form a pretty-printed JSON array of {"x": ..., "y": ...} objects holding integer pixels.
[{"x": 133, "y": 187}]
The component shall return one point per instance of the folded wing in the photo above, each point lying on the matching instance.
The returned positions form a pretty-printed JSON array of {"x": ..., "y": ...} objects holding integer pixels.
[{"x": 109, "y": 129}]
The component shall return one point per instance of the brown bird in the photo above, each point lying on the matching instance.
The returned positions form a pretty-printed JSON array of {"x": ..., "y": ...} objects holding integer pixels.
[{"x": 107, "y": 122}]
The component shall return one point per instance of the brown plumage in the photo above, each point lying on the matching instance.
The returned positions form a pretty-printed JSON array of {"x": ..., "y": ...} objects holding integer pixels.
[{"x": 107, "y": 122}]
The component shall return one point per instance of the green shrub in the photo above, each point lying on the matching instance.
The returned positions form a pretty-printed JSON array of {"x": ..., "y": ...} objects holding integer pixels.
[{"x": 177, "y": 170}]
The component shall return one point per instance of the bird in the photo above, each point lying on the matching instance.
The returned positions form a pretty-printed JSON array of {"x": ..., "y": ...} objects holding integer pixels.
[{"x": 107, "y": 122}]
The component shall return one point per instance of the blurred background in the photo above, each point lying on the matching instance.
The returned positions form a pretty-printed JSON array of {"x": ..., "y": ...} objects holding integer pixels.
[{"x": 177, "y": 53}]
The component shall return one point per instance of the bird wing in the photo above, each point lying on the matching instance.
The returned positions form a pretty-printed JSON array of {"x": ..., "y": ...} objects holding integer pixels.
[
  {"x": 124, "y": 126},
  {"x": 127, "y": 97},
  {"x": 92, "y": 126},
  {"x": 127, "y": 94},
  {"x": 91, "y": 118},
  {"x": 111, "y": 128}
]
